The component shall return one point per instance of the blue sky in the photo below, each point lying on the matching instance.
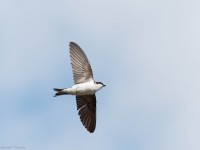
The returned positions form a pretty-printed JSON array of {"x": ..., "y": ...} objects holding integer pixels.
[{"x": 146, "y": 52}]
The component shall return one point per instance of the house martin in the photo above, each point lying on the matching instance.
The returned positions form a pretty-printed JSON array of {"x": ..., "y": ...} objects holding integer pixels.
[{"x": 84, "y": 87}]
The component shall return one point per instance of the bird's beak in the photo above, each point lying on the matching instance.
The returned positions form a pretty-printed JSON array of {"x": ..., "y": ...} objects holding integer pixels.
[{"x": 104, "y": 85}]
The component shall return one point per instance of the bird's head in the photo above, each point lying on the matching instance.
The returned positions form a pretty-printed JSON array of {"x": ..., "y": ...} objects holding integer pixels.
[{"x": 100, "y": 85}]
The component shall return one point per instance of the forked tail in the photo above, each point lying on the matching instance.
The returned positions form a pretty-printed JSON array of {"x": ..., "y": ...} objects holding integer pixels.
[{"x": 58, "y": 92}]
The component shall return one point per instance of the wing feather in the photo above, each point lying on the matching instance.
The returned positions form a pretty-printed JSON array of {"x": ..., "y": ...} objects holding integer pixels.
[
  {"x": 82, "y": 71},
  {"x": 86, "y": 105}
]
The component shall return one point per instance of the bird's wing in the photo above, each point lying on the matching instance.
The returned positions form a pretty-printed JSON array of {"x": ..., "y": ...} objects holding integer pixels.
[
  {"x": 81, "y": 68},
  {"x": 86, "y": 105}
]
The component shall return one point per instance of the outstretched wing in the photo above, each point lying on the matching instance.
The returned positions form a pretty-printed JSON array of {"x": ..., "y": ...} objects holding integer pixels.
[
  {"x": 81, "y": 68},
  {"x": 86, "y": 105}
]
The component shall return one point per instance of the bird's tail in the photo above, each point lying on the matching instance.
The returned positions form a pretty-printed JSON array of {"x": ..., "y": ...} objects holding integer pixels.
[{"x": 59, "y": 92}]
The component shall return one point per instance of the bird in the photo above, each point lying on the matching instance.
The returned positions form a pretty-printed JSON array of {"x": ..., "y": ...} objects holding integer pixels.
[{"x": 84, "y": 87}]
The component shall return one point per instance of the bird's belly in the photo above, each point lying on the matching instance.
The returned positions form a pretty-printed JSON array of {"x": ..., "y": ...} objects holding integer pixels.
[
  {"x": 81, "y": 91},
  {"x": 85, "y": 90}
]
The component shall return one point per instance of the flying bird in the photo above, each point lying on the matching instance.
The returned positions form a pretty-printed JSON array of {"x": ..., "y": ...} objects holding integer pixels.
[{"x": 84, "y": 87}]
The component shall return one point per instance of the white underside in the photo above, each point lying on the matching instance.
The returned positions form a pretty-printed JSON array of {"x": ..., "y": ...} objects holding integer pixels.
[{"x": 86, "y": 88}]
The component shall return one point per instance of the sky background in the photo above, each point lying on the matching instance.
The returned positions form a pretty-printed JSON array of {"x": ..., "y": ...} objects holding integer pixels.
[{"x": 146, "y": 52}]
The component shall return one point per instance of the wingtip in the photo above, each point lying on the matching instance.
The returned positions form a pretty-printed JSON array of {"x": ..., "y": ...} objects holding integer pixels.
[
  {"x": 91, "y": 131},
  {"x": 72, "y": 43}
]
